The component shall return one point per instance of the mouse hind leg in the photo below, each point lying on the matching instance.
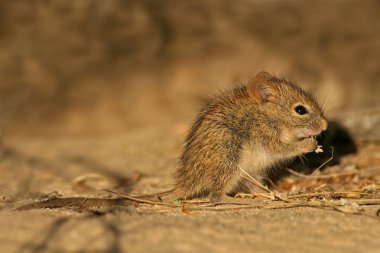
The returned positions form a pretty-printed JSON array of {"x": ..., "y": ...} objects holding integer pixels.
[{"x": 222, "y": 183}]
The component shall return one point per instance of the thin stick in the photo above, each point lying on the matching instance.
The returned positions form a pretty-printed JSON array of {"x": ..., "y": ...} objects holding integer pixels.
[
  {"x": 253, "y": 180},
  {"x": 316, "y": 194},
  {"x": 335, "y": 206},
  {"x": 142, "y": 200},
  {"x": 252, "y": 195},
  {"x": 319, "y": 187},
  {"x": 328, "y": 160},
  {"x": 272, "y": 184},
  {"x": 322, "y": 176}
]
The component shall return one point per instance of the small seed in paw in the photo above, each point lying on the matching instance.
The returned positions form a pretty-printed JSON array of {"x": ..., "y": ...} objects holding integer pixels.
[{"x": 318, "y": 149}]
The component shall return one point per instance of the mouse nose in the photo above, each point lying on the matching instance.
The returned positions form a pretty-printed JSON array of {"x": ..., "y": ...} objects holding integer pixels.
[{"x": 324, "y": 124}]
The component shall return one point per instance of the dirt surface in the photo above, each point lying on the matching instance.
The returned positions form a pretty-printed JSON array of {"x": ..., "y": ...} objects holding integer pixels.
[
  {"x": 99, "y": 95},
  {"x": 138, "y": 163}
]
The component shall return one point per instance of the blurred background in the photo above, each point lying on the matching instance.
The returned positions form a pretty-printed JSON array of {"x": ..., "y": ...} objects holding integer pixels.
[
  {"x": 100, "y": 94},
  {"x": 89, "y": 66}
]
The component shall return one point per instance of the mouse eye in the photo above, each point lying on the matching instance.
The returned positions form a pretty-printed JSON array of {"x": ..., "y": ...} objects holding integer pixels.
[{"x": 300, "y": 109}]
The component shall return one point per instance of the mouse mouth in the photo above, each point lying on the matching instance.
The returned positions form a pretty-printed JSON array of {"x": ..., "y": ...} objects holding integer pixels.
[{"x": 312, "y": 135}]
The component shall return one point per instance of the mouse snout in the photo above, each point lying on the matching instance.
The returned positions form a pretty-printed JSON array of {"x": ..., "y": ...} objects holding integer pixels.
[
  {"x": 317, "y": 128},
  {"x": 324, "y": 124}
]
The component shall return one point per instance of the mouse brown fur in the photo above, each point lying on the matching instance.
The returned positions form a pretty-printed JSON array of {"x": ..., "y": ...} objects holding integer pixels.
[{"x": 256, "y": 126}]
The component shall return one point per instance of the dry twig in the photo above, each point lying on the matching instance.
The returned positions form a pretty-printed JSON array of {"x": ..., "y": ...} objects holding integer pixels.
[
  {"x": 142, "y": 200},
  {"x": 322, "y": 176},
  {"x": 254, "y": 181},
  {"x": 328, "y": 160}
]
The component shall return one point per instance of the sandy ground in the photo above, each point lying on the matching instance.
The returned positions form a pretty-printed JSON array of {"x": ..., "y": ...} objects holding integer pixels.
[
  {"x": 141, "y": 162},
  {"x": 296, "y": 230}
]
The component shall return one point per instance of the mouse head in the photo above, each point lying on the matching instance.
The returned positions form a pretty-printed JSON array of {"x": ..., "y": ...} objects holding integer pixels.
[{"x": 296, "y": 113}]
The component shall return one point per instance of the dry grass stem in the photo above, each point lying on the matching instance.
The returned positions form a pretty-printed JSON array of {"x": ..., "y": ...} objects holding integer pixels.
[
  {"x": 322, "y": 176},
  {"x": 348, "y": 194},
  {"x": 254, "y": 181},
  {"x": 142, "y": 200},
  {"x": 336, "y": 205},
  {"x": 260, "y": 185},
  {"x": 328, "y": 160}
]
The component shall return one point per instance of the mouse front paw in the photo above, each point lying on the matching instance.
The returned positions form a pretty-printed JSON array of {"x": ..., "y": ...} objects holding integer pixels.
[{"x": 307, "y": 145}]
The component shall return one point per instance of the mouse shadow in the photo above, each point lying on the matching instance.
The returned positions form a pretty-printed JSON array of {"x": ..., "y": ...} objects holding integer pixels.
[
  {"x": 120, "y": 182},
  {"x": 336, "y": 142}
]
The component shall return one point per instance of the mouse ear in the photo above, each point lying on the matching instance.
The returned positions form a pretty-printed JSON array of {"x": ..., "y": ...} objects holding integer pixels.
[{"x": 261, "y": 88}]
